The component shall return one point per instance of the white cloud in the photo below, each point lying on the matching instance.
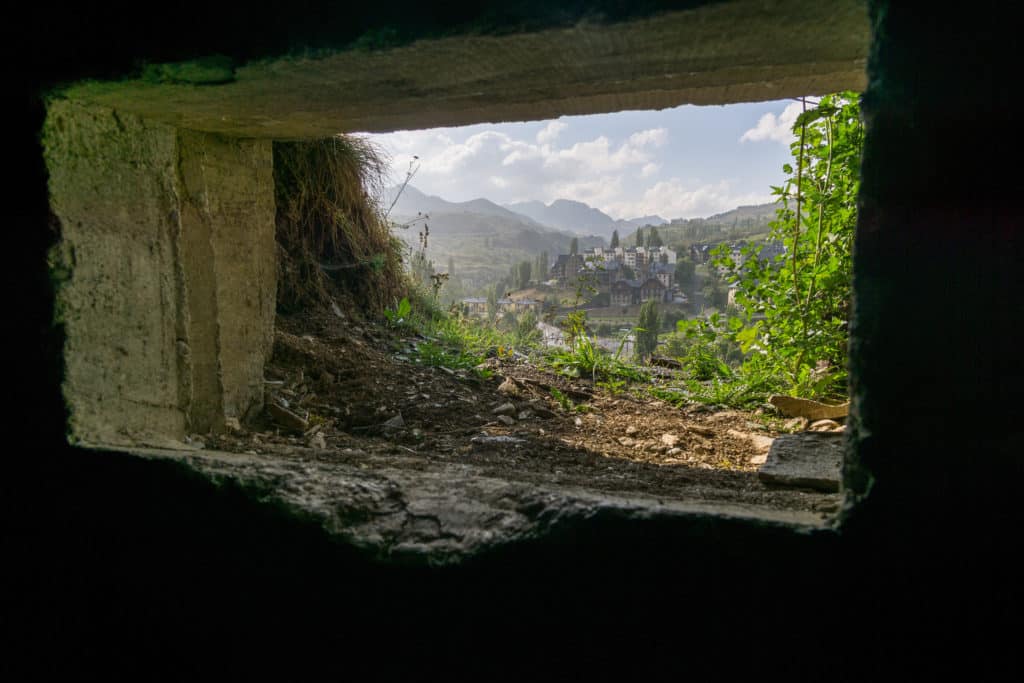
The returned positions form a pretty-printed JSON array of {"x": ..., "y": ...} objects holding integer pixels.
[
  {"x": 495, "y": 165},
  {"x": 551, "y": 132},
  {"x": 674, "y": 199},
  {"x": 654, "y": 136},
  {"x": 597, "y": 192},
  {"x": 770, "y": 127},
  {"x": 626, "y": 171}
]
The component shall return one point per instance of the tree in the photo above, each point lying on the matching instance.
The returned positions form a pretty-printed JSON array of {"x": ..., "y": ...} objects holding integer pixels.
[
  {"x": 574, "y": 246},
  {"x": 523, "y": 275},
  {"x": 639, "y": 237},
  {"x": 715, "y": 293},
  {"x": 647, "y": 327},
  {"x": 540, "y": 268},
  {"x": 492, "y": 302},
  {"x": 653, "y": 238},
  {"x": 685, "y": 270},
  {"x": 615, "y": 239}
]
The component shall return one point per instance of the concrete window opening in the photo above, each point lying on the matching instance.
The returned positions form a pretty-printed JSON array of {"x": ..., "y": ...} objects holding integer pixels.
[
  {"x": 167, "y": 274},
  {"x": 467, "y": 185}
]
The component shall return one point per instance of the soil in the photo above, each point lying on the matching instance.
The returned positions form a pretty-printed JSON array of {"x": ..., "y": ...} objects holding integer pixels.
[{"x": 348, "y": 378}]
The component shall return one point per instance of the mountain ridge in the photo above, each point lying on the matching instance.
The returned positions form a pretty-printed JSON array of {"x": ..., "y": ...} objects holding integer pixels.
[{"x": 562, "y": 214}]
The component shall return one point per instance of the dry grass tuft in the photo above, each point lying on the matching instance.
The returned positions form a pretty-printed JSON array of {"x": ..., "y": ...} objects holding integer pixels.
[{"x": 330, "y": 226}]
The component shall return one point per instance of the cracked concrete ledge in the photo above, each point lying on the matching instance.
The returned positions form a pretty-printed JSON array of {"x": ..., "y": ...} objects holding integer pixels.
[{"x": 437, "y": 513}]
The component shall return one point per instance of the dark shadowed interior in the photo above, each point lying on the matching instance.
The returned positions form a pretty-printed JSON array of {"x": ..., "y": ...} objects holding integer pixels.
[{"x": 141, "y": 562}]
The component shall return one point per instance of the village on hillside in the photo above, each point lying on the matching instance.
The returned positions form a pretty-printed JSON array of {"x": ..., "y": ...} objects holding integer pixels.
[{"x": 620, "y": 277}]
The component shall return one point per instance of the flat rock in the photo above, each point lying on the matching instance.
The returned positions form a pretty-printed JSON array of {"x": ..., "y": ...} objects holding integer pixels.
[
  {"x": 496, "y": 440},
  {"x": 825, "y": 426},
  {"x": 506, "y": 409},
  {"x": 394, "y": 424},
  {"x": 286, "y": 418},
  {"x": 809, "y": 460},
  {"x": 508, "y": 388},
  {"x": 669, "y": 440},
  {"x": 506, "y": 420},
  {"x": 812, "y": 410},
  {"x": 796, "y": 424}
]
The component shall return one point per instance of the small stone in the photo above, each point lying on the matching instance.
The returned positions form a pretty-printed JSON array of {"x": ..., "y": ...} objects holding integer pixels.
[
  {"x": 508, "y": 409},
  {"x": 394, "y": 424},
  {"x": 674, "y": 451},
  {"x": 796, "y": 424},
  {"x": 577, "y": 421},
  {"x": 669, "y": 440},
  {"x": 525, "y": 414},
  {"x": 286, "y": 418},
  {"x": 824, "y": 426},
  {"x": 417, "y": 434},
  {"x": 543, "y": 413},
  {"x": 702, "y": 431},
  {"x": 353, "y": 451},
  {"x": 318, "y": 441},
  {"x": 506, "y": 420},
  {"x": 232, "y": 424},
  {"x": 496, "y": 440},
  {"x": 631, "y": 430},
  {"x": 626, "y": 441},
  {"x": 508, "y": 388},
  {"x": 761, "y": 443}
]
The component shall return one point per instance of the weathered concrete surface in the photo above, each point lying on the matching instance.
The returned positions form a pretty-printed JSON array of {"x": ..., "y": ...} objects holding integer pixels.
[
  {"x": 719, "y": 53},
  {"x": 228, "y": 192},
  {"x": 438, "y": 513},
  {"x": 166, "y": 273},
  {"x": 113, "y": 189},
  {"x": 809, "y": 460}
]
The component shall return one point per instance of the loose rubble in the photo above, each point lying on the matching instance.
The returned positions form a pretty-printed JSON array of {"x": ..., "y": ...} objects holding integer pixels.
[{"x": 348, "y": 392}]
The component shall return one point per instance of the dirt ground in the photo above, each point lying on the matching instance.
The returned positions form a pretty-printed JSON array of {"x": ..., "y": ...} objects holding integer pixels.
[{"x": 359, "y": 394}]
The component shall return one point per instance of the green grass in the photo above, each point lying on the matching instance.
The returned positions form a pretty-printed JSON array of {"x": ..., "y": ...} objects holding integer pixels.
[
  {"x": 451, "y": 341},
  {"x": 587, "y": 360}
]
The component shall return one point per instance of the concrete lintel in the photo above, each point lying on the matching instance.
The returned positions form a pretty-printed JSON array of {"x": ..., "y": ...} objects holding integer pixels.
[{"x": 717, "y": 53}]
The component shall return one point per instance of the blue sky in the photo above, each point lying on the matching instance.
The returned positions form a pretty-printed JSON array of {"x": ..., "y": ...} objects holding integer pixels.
[{"x": 683, "y": 162}]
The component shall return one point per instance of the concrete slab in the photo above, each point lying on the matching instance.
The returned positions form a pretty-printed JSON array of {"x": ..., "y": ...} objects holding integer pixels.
[{"x": 809, "y": 460}]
